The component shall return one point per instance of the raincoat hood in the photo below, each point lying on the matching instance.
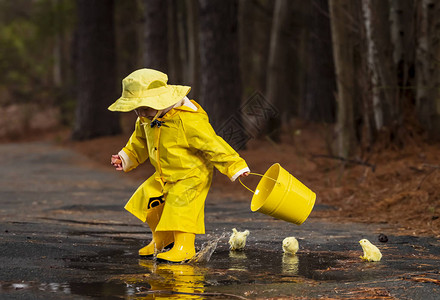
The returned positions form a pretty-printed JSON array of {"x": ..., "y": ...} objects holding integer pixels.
[{"x": 148, "y": 87}]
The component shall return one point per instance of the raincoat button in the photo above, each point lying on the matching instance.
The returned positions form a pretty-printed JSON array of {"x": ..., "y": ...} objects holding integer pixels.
[{"x": 155, "y": 148}]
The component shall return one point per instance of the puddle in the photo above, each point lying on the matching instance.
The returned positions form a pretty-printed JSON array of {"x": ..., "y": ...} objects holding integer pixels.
[
  {"x": 121, "y": 275},
  {"x": 127, "y": 276},
  {"x": 218, "y": 273},
  {"x": 276, "y": 265},
  {"x": 8, "y": 287}
]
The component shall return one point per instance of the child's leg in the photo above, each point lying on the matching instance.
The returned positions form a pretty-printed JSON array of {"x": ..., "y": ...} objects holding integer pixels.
[
  {"x": 161, "y": 239},
  {"x": 183, "y": 214}
]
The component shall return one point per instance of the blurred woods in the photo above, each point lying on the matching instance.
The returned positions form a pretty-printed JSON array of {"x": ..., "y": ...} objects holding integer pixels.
[{"x": 367, "y": 69}]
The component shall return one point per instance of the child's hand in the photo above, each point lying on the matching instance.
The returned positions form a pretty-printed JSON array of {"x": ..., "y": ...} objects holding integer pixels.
[
  {"x": 244, "y": 174},
  {"x": 116, "y": 162}
]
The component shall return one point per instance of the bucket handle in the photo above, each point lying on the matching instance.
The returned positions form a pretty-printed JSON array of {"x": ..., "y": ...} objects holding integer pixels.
[{"x": 253, "y": 192}]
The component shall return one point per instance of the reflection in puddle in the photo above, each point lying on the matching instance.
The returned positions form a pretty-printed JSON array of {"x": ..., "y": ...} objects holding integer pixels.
[
  {"x": 19, "y": 286},
  {"x": 183, "y": 281},
  {"x": 42, "y": 287},
  {"x": 290, "y": 264},
  {"x": 238, "y": 261}
]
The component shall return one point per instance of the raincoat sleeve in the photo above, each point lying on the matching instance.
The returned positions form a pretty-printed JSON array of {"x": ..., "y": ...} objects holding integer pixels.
[
  {"x": 202, "y": 137},
  {"x": 135, "y": 151}
]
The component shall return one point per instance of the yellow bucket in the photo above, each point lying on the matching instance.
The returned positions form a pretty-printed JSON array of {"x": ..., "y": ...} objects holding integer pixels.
[{"x": 282, "y": 196}]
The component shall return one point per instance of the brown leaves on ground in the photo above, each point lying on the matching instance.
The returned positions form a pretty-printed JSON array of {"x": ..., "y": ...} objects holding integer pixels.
[{"x": 425, "y": 278}]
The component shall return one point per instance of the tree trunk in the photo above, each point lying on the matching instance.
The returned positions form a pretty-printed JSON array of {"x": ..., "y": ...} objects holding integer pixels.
[
  {"x": 344, "y": 41},
  {"x": 402, "y": 22},
  {"x": 422, "y": 67},
  {"x": 284, "y": 87},
  {"x": 57, "y": 55},
  {"x": 255, "y": 27},
  {"x": 128, "y": 32},
  {"x": 220, "y": 72},
  {"x": 427, "y": 68},
  {"x": 193, "y": 60},
  {"x": 156, "y": 35},
  {"x": 319, "y": 102},
  {"x": 403, "y": 36},
  {"x": 385, "y": 96},
  {"x": 373, "y": 65},
  {"x": 96, "y": 70},
  {"x": 176, "y": 41}
]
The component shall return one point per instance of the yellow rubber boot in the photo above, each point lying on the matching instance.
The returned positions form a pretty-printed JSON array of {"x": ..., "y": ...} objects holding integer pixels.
[
  {"x": 183, "y": 248},
  {"x": 161, "y": 239}
]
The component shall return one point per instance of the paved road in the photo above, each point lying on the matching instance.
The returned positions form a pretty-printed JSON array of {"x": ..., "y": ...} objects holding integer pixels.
[{"x": 65, "y": 235}]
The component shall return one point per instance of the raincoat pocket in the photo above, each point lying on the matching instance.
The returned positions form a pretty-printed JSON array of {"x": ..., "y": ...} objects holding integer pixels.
[{"x": 148, "y": 195}]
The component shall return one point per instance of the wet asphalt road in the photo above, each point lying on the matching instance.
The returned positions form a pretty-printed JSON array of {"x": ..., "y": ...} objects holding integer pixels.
[{"x": 65, "y": 235}]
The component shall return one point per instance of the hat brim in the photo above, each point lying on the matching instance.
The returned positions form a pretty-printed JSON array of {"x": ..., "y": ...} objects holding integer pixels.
[{"x": 174, "y": 94}]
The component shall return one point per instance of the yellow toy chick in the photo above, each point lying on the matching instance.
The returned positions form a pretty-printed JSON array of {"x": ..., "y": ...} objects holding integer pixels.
[
  {"x": 290, "y": 245},
  {"x": 371, "y": 252},
  {"x": 237, "y": 241}
]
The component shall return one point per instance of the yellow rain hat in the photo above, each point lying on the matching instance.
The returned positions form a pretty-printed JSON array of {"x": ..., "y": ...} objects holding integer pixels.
[{"x": 148, "y": 87}]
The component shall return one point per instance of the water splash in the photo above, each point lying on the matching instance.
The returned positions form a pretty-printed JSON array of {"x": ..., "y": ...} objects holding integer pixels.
[{"x": 208, "y": 248}]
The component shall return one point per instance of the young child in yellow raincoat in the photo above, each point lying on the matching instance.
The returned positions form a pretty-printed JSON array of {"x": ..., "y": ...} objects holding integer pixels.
[{"x": 175, "y": 134}]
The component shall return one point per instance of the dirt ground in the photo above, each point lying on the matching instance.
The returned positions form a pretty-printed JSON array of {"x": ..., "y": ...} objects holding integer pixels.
[{"x": 395, "y": 185}]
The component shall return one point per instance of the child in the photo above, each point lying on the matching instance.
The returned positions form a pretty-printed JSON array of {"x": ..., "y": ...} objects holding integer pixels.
[{"x": 175, "y": 134}]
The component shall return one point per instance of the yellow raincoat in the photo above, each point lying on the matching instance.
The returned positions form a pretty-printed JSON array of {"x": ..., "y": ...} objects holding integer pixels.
[{"x": 183, "y": 150}]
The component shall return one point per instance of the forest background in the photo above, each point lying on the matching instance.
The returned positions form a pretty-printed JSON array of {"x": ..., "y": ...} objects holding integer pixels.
[{"x": 345, "y": 92}]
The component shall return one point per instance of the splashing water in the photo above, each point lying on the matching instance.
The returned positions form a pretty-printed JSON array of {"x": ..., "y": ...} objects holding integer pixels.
[{"x": 208, "y": 248}]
